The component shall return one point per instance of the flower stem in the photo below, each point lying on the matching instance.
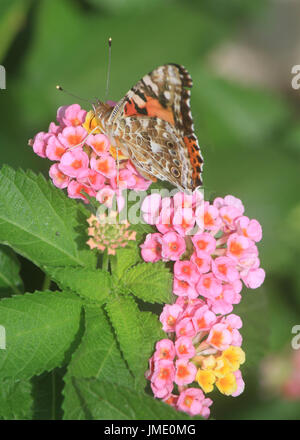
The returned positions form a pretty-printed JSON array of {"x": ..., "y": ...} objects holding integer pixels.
[
  {"x": 47, "y": 282},
  {"x": 105, "y": 261}
]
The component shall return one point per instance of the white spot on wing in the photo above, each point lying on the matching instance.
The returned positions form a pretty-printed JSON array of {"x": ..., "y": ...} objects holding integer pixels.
[
  {"x": 148, "y": 81},
  {"x": 155, "y": 147}
]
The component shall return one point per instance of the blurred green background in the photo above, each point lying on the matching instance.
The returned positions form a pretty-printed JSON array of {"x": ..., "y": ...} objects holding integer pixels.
[{"x": 240, "y": 54}]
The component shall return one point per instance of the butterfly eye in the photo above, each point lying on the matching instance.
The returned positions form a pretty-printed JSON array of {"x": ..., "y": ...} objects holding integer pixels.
[{"x": 175, "y": 172}]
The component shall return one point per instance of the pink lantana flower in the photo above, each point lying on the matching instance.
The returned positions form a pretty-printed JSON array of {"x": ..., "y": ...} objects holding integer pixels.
[
  {"x": 185, "y": 327},
  {"x": 72, "y": 137},
  {"x": 71, "y": 115},
  {"x": 105, "y": 166},
  {"x": 209, "y": 286},
  {"x": 229, "y": 214},
  {"x": 54, "y": 149},
  {"x": 229, "y": 201},
  {"x": 164, "y": 373},
  {"x": 204, "y": 242},
  {"x": 237, "y": 245},
  {"x": 59, "y": 179},
  {"x": 76, "y": 190},
  {"x": 169, "y": 317},
  {"x": 173, "y": 246},
  {"x": 186, "y": 271},
  {"x": 203, "y": 318},
  {"x": 184, "y": 348},
  {"x": 151, "y": 248},
  {"x": 162, "y": 392},
  {"x": 191, "y": 401},
  {"x": 184, "y": 288},
  {"x": 224, "y": 268},
  {"x": 249, "y": 228},
  {"x": 219, "y": 337},
  {"x": 254, "y": 278},
  {"x": 74, "y": 162},
  {"x": 185, "y": 372},
  {"x": 223, "y": 303},
  {"x": 202, "y": 261},
  {"x": 99, "y": 144},
  {"x": 164, "y": 349},
  {"x": 91, "y": 178},
  {"x": 39, "y": 143},
  {"x": 211, "y": 218}
]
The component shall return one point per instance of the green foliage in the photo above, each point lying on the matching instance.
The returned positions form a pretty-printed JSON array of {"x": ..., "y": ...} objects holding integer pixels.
[
  {"x": 124, "y": 259},
  {"x": 39, "y": 222},
  {"x": 93, "y": 284},
  {"x": 107, "y": 401},
  {"x": 136, "y": 334},
  {"x": 96, "y": 356},
  {"x": 10, "y": 281},
  {"x": 150, "y": 282},
  {"x": 40, "y": 328},
  {"x": 15, "y": 399}
]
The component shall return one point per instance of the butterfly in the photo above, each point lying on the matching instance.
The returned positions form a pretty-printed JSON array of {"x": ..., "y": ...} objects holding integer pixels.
[{"x": 152, "y": 125}]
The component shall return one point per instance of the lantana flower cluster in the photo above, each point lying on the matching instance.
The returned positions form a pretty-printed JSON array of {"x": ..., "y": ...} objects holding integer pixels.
[
  {"x": 107, "y": 234},
  {"x": 213, "y": 248},
  {"x": 84, "y": 160}
]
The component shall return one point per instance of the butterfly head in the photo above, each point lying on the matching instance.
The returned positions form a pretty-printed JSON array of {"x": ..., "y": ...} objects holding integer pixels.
[{"x": 102, "y": 112}]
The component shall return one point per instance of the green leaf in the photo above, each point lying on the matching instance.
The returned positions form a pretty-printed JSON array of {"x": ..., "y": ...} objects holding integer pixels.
[
  {"x": 40, "y": 328},
  {"x": 97, "y": 356},
  {"x": 40, "y": 222},
  {"x": 136, "y": 332},
  {"x": 124, "y": 259},
  {"x": 15, "y": 399},
  {"x": 253, "y": 310},
  {"x": 107, "y": 401},
  {"x": 151, "y": 282},
  {"x": 93, "y": 284},
  {"x": 10, "y": 281}
]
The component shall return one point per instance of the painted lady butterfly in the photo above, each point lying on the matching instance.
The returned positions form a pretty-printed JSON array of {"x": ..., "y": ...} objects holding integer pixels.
[{"x": 153, "y": 126}]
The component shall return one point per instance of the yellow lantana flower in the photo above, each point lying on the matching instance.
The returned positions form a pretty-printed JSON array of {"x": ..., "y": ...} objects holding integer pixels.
[
  {"x": 206, "y": 380},
  {"x": 227, "y": 384},
  {"x": 235, "y": 357},
  {"x": 223, "y": 367}
]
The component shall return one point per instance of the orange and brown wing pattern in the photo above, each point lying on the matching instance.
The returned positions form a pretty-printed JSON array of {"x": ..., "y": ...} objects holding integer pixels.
[{"x": 164, "y": 94}]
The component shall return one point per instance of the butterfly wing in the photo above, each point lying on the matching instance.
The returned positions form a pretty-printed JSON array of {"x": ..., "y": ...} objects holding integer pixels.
[
  {"x": 157, "y": 151},
  {"x": 162, "y": 96}
]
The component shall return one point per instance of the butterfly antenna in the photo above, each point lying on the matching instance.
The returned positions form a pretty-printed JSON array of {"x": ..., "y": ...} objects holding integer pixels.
[
  {"x": 108, "y": 67},
  {"x": 58, "y": 87}
]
